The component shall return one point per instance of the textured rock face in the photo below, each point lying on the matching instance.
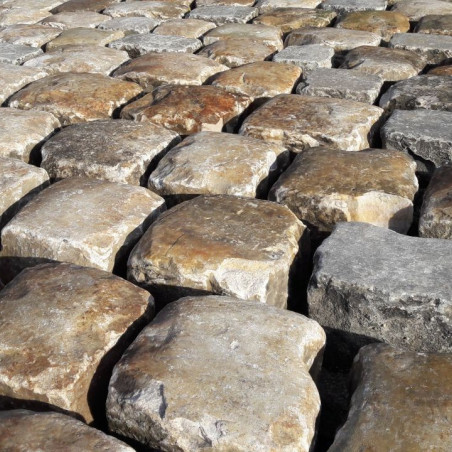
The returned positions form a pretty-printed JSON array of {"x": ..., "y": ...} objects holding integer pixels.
[
  {"x": 220, "y": 244},
  {"x": 131, "y": 25},
  {"x": 218, "y": 163},
  {"x": 257, "y": 350},
  {"x": 188, "y": 28},
  {"x": 83, "y": 5},
  {"x": 71, "y": 318},
  {"x": 28, "y": 35},
  {"x": 300, "y": 122},
  {"x": 435, "y": 24},
  {"x": 153, "y": 9},
  {"x": 383, "y": 287},
  {"x": 347, "y": 6},
  {"x": 118, "y": 151},
  {"x": 29, "y": 430},
  {"x": 16, "y": 53},
  {"x": 270, "y": 5},
  {"x": 84, "y": 36},
  {"x": 326, "y": 186},
  {"x": 224, "y": 14},
  {"x": 20, "y": 15},
  {"x": 74, "y": 98},
  {"x": 75, "y": 19},
  {"x": 308, "y": 57},
  {"x": 441, "y": 70},
  {"x": 416, "y": 9},
  {"x": 402, "y": 401},
  {"x": 99, "y": 235}
]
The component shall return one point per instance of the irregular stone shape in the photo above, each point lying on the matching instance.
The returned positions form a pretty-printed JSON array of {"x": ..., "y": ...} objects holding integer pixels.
[
  {"x": 402, "y": 401},
  {"x": 391, "y": 65},
  {"x": 325, "y": 186},
  {"x": 140, "y": 44},
  {"x": 340, "y": 39},
  {"x": 260, "y": 80},
  {"x": 227, "y": 245},
  {"x": 435, "y": 24},
  {"x": 15, "y": 77},
  {"x": 224, "y": 14},
  {"x": 74, "y": 97},
  {"x": 270, "y": 5},
  {"x": 385, "y": 286},
  {"x": 155, "y": 69},
  {"x": 441, "y": 70},
  {"x": 429, "y": 92},
  {"x": 384, "y": 23},
  {"x": 289, "y": 19},
  {"x": 131, "y": 25},
  {"x": 84, "y": 36},
  {"x": 28, "y": 35},
  {"x": 307, "y": 57},
  {"x": 32, "y": 5},
  {"x": 21, "y": 16},
  {"x": 19, "y": 182},
  {"x": 218, "y": 163},
  {"x": 416, "y": 9},
  {"x": 116, "y": 150},
  {"x": 435, "y": 48},
  {"x": 75, "y": 19},
  {"x": 83, "y": 5},
  {"x": 348, "y": 6},
  {"x": 301, "y": 122},
  {"x": 153, "y": 9},
  {"x": 255, "y": 349},
  {"x": 237, "y": 52},
  {"x": 187, "y": 109},
  {"x": 72, "y": 326},
  {"x": 436, "y": 213},
  {"x": 29, "y": 430},
  {"x": 187, "y": 28},
  {"x": 341, "y": 84},
  {"x": 80, "y": 58},
  {"x": 21, "y": 131},
  {"x": 100, "y": 235},
  {"x": 425, "y": 133},
  {"x": 17, "y": 54},
  {"x": 224, "y": 3}
]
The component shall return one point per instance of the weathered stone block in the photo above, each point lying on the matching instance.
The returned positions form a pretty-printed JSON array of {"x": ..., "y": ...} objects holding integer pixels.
[
  {"x": 34, "y": 35},
  {"x": 12, "y": 16},
  {"x": 441, "y": 70},
  {"x": 416, "y": 9},
  {"x": 84, "y": 36},
  {"x": 271, "y": 5},
  {"x": 348, "y": 6},
  {"x": 75, "y": 19},
  {"x": 224, "y": 14},
  {"x": 308, "y": 57},
  {"x": 224, "y": 3},
  {"x": 435, "y": 24},
  {"x": 17, "y": 54},
  {"x": 131, "y": 25},
  {"x": 83, "y": 5},
  {"x": 187, "y": 28},
  {"x": 153, "y": 9}
]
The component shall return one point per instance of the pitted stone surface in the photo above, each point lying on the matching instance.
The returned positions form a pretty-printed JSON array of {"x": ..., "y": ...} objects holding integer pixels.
[
  {"x": 153, "y": 9},
  {"x": 218, "y": 163},
  {"x": 224, "y": 14},
  {"x": 17, "y": 53},
  {"x": 131, "y": 25},
  {"x": 416, "y": 9},
  {"x": 270, "y": 5},
  {"x": 101, "y": 233},
  {"x": 386, "y": 286},
  {"x": 226, "y": 245},
  {"x": 187, "y": 28},
  {"x": 301, "y": 122},
  {"x": 72, "y": 326},
  {"x": 75, "y": 19},
  {"x": 435, "y": 24},
  {"x": 28, "y": 35},
  {"x": 75, "y": 97},
  {"x": 257, "y": 350},
  {"x": 84, "y": 36},
  {"x": 308, "y": 57},
  {"x": 115, "y": 150},
  {"x": 84, "y": 5},
  {"x": 348, "y": 6}
]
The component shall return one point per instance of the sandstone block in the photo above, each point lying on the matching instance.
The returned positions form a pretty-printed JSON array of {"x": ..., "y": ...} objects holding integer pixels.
[
  {"x": 224, "y": 3},
  {"x": 163, "y": 10},
  {"x": 270, "y": 5},
  {"x": 32, "y": 5},
  {"x": 187, "y": 28},
  {"x": 84, "y": 36},
  {"x": 16, "y": 53},
  {"x": 131, "y": 25},
  {"x": 441, "y": 70},
  {"x": 75, "y": 19},
  {"x": 435, "y": 24},
  {"x": 416, "y": 9},
  {"x": 28, "y": 35},
  {"x": 348, "y": 6},
  {"x": 307, "y": 57},
  {"x": 83, "y": 5},
  {"x": 14, "y": 16},
  {"x": 224, "y": 14}
]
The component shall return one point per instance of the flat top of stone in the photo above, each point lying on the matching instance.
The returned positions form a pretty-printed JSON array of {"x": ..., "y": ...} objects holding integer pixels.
[
  {"x": 131, "y": 25},
  {"x": 83, "y": 5},
  {"x": 258, "y": 31},
  {"x": 188, "y": 28},
  {"x": 416, "y": 9},
  {"x": 34, "y": 35},
  {"x": 270, "y": 5},
  {"x": 224, "y": 14},
  {"x": 17, "y": 53},
  {"x": 436, "y": 24},
  {"x": 423, "y": 42},
  {"x": 21, "y": 15},
  {"x": 155, "y": 9},
  {"x": 75, "y": 19},
  {"x": 441, "y": 70},
  {"x": 13, "y": 172},
  {"x": 308, "y": 56},
  {"x": 344, "y": 6}
]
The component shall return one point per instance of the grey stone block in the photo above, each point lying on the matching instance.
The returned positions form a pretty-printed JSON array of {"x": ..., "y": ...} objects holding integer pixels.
[
  {"x": 224, "y": 14},
  {"x": 17, "y": 54},
  {"x": 308, "y": 57}
]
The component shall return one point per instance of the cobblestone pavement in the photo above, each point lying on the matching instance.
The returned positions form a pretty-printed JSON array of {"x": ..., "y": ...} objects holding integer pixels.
[{"x": 226, "y": 225}]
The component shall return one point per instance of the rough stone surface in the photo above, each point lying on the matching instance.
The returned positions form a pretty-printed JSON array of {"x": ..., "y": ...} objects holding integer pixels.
[
  {"x": 416, "y": 9},
  {"x": 153, "y": 9},
  {"x": 224, "y": 3},
  {"x": 28, "y": 35},
  {"x": 189, "y": 109},
  {"x": 341, "y": 84},
  {"x": 85, "y": 19},
  {"x": 131, "y": 25},
  {"x": 226, "y": 245},
  {"x": 386, "y": 286},
  {"x": 83, "y": 5},
  {"x": 435, "y": 24},
  {"x": 224, "y": 14},
  {"x": 187, "y": 28},
  {"x": 20, "y": 16},
  {"x": 75, "y": 97},
  {"x": 72, "y": 326},
  {"x": 348, "y": 6},
  {"x": 307, "y": 57},
  {"x": 155, "y": 69},
  {"x": 84, "y": 36},
  {"x": 16, "y": 53},
  {"x": 436, "y": 213},
  {"x": 29, "y": 430},
  {"x": 218, "y": 163},
  {"x": 326, "y": 186},
  {"x": 402, "y": 401},
  {"x": 270, "y": 5},
  {"x": 235, "y": 352},
  {"x": 441, "y": 70},
  {"x": 100, "y": 235},
  {"x": 301, "y": 122},
  {"x": 115, "y": 150}
]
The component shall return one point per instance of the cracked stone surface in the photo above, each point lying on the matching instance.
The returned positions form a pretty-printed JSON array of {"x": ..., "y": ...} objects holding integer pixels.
[
  {"x": 33, "y": 35},
  {"x": 308, "y": 57},
  {"x": 75, "y": 19},
  {"x": 187, "y": 28},
  {"x": 17, "y": 53},
  {"x": 224, "y": 14}
]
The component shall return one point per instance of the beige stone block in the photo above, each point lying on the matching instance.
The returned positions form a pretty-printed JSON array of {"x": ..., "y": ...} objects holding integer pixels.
[
  {"x": 75, "y": 19},
  {"x": 84, "y": 36},
  {"x": 21, "y": 16},
  {"x": 270, "y": 5},
  {"x": 83, "y": 5},
  {"x": 154, "y": 9},
  {"x": 34, "y": 35},
  {"x": 441, "y": 70},
  {"x": 188, "y": 28},
  {"x": 416, "y": 9}
]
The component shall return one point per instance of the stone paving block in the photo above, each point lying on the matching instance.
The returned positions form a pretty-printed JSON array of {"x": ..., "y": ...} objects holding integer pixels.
[
  {"x": 224, "y": 14},
  {"x": 429, "y": 92},
  {"x": 29, "y": 430},
  {"x": 257, "y": 350},
  {"x": 131, "y": 25},
  {"x": 435, "y": 48},
  {"x": 84, "y": 5},
  {"x": 34, "y": 35},
  {"x": 75, "y": 97},
  {"x": 19, "y": 182},
  {"x": 213, "y": 163},
  {"x": 75, "y": 19},
  {"x": 32, "y": 5},
  {"x": 436, "y": 213},
  {"x": 156, "y": 69},
  {"x": 140, "y": 44},
  {"x": 308, "y": 57},
  {"x": 270, "y": 5},
  {"x": 300, "y": 122},
  {"x": 326, "y": 186},
  {"x": 101, "y": 233},
  {"x": 347, "y": 6},
  {"x": 241, "y": 247},
  {"x": 289, "y": 19},
  {"x": 84, "y": 36},
  {"x": 17, "y": 54},
  {"x": 114, "y": 150},
  {"x": 385, "y": 287},
  {"x": 341, "y": 84},
  {"x": 401, "y": 401},
  {"x": 260, "y": 81},
  {"x": 21, "y": 131},
  {"x": 21, "y": 16},
  {"x": 187, "y": 28},
  {"x": 153, "y": 9},
  {"x": 444, "y": 71},
  {"x": 224, "y": 3},
  {"x": 391, "y": 65},
  {"x": 59, "y": 348},
  {"x": 435, "y": 24},
  {"x": 188, "y": 109},
  {"x": 416, "y": 9}
]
